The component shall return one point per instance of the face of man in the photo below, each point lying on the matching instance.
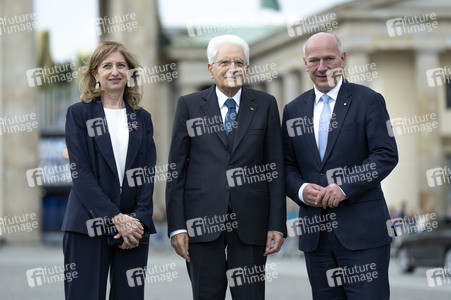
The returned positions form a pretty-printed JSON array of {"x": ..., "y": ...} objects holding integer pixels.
[
  {"x": 229, "y": 69},
  {"x": 322, "y": 54}
]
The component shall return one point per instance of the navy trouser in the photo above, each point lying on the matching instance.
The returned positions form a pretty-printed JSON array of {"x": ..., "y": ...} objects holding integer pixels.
[
  {"x": 336, "y": 273},
  {"x": 94, "y": 259}
]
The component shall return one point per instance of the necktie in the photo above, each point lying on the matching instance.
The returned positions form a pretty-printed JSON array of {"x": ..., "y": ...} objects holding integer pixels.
[
  {"x": 323, "y": 130},
  {"x": 231, "y": 115}
]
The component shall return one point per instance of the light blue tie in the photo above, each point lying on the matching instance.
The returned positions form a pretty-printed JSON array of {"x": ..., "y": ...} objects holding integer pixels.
[
  {"x": 323, "y": 130},
  {"x": 230, "y": 116}
]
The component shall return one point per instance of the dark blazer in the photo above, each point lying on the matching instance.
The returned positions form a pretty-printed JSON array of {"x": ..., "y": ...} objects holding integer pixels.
[
  {"x": 202, "y": 189},
  {"x": 95, "y": 191},
  {"x": 359, "y": 137}
]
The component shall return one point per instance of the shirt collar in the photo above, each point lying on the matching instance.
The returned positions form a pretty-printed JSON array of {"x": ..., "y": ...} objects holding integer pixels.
[
  {"x": 222, "y": 98},
  {"x": 333, "y": 93}
]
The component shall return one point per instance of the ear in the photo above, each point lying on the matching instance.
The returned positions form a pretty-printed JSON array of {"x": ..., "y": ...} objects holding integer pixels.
[
  {"x": 305, "y": 63},
  {"x": 94, "y": 74},
  {"x": 343, "y": 59},
  {"x": 210, "y": 70}
]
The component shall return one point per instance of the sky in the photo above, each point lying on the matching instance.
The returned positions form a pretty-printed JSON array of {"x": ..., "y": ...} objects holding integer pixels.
[{"x": 71, "y": 22}]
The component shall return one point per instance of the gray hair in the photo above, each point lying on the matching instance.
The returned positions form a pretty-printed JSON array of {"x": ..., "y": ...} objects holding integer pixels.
[
  {"x": 340, "y": 47},
  {"x": 218, "y": 41}
]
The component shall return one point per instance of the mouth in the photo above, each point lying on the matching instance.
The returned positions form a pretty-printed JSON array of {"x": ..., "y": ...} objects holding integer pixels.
[
  {"x": 233, "y": 77},
  {"x": 115, "y": 80},
  {"x": 321, "y": 76}
]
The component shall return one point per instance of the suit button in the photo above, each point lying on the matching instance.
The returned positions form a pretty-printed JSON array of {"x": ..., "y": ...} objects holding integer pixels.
[
  {"x": 227, "y": 187},
  {"x": 322, "y": 174},
  {"x": 142, "y": 151},
  {"x": 98, "y": 174}
]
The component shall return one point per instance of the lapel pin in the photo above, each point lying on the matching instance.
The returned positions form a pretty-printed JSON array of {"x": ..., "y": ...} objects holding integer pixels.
[
  {"x": 252, "y": 108},
  {"x": 135, "y": 127},
  {"x": 345, "y": 104}
]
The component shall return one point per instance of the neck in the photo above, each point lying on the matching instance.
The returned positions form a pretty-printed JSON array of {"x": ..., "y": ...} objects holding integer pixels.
[
  {"x": 113, "y": 100},
  {"x": 229, "y": 92}
]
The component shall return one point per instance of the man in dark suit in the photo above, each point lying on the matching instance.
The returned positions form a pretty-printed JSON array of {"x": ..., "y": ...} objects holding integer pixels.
[
  {"x": 230, "y": 191},
  {"x": 337, "y": 151}
]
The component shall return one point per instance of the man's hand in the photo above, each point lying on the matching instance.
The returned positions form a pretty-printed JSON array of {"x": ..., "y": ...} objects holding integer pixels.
[
  {"x": 330, "y": 196},
  {"x": 278, "y": 241},
  {"x": 310, "y": 194},
  {"x": 180, "y": 243},
  {"x": 130, "y": 229}
]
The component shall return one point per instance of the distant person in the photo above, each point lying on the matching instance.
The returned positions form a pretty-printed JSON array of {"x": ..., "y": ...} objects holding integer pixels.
[
  {"x": 219, "y": 221},
  {"x": 333, "y": 173},
  {"x": 108, "y": 220}
]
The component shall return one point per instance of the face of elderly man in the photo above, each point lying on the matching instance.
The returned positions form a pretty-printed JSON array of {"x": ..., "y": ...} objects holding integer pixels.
[
  {"x": 229, "y": 69},
  {"x": 322, "y": 54}
]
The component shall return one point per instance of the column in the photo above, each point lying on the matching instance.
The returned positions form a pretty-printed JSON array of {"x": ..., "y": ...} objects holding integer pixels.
[
  {"x": 430, "y": 153},
  {"x": 18, "y": 150},
  {"x": 291, "y": 87},
  {"x": 143, "y": 40}
]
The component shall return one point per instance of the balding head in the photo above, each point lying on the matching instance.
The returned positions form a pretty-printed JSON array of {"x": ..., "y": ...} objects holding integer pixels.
[
  {"x": 324, "y": 36},
  {"x": 323, "y": 54}
]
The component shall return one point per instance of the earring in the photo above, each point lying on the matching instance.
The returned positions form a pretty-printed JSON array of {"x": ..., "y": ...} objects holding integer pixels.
[{"x": 97, "y": 86}]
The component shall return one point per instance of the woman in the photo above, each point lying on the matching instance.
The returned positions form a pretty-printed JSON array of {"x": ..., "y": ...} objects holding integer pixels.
[{"x": 109, "y": 212}]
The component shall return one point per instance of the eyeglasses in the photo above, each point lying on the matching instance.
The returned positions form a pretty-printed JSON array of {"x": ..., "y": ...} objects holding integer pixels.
[{"x": 239, "y": 63}]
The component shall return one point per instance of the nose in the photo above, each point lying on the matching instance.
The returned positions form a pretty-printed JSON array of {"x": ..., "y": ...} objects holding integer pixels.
[
  {"x": 322, "y": 65},
  {"x": 115, "y": 71}
]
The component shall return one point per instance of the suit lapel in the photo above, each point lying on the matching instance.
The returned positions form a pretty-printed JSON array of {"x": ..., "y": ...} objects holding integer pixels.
[
  {"x": 211, "y": 110},
  {"x": 248, "y": 107},
  {"x": 306, "y": 110},
  {"x": 136, "y": 127},
  {"x": 103, "y": 140},
  {"x": 341, "y": 108}
]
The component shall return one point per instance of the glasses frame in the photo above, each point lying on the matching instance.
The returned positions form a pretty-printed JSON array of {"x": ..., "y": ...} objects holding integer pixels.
[{"x": 229, "y": 63}]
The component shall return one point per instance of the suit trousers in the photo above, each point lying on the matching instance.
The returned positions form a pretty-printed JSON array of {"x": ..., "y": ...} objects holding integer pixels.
[
  {"x": 94, "y": 259},
  {"x": 227, "y": 259},
  {"x": 338, "y": 273}
]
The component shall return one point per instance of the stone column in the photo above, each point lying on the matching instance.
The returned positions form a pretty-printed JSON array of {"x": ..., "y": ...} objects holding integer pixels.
[
  {"x": 358, "y": 64},
  {"x": 430, "y": 153},
  {"x": 18, "y": 150},
  {"x": 143, "y": 40},
  {"x": 274, "y": 87},
  {"x": 291, "y": 87}
]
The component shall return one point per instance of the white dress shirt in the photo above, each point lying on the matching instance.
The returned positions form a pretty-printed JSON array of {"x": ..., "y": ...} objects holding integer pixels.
[
  {"x": 222, "y": 99},
  {"x": 118, "y": 129}
]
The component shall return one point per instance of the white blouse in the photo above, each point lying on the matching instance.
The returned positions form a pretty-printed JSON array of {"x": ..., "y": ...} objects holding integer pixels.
[{"x": 118, "y": 129}]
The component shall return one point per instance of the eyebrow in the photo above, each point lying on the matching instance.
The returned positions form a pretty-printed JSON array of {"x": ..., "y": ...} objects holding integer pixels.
[{"x": 109, "y": 62}]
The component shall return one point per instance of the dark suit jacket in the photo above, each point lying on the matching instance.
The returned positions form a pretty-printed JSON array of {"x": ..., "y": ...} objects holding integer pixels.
[
  {"x": 202, "y": 188},
  {"x": 360, "y": 138},
  {"x": 95, "y": 191}
]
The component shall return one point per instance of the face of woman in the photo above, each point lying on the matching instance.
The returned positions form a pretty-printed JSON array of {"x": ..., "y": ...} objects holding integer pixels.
[{"x": 112, "y": 73}]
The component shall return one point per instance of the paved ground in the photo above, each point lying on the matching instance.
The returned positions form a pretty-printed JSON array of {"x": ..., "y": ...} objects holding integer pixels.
[{"x": 291, "y": 281}]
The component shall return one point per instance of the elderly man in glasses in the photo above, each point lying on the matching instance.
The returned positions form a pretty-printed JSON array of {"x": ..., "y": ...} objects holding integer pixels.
[{"x": 226, "y": 209}]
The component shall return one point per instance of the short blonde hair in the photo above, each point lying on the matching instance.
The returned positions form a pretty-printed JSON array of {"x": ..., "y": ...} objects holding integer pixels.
[{"x": 89, "y": 93}]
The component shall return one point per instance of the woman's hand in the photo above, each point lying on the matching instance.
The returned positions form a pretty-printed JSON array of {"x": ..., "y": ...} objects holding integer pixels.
[{"x": 130, "y": 229}]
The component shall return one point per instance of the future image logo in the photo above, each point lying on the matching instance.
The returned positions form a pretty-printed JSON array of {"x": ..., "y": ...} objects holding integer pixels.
[
  {"x": 438, "y": 176},
  {"x": 210, "y": 225},
  {"x": 351, "y": 274},
  {"x": 249, "y": 275},
  {"x": 438, "y": 276},
  {"x": 411, "y": 24}
]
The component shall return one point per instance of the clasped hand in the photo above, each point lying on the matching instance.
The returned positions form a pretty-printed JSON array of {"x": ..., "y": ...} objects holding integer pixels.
[
  {"x": 130, "y": 229},
  {"x": 318, "y": 196}
]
